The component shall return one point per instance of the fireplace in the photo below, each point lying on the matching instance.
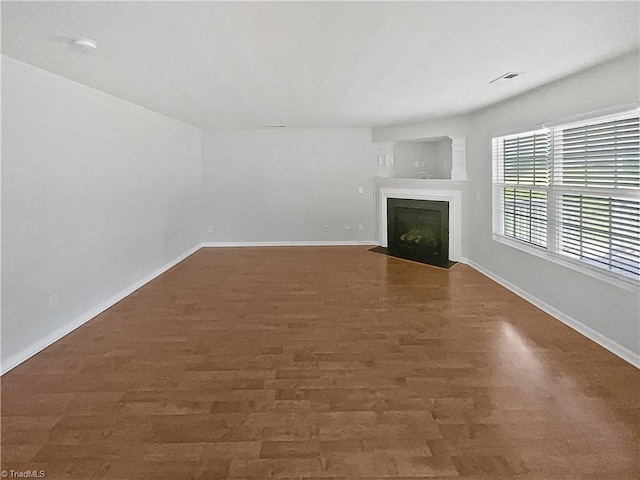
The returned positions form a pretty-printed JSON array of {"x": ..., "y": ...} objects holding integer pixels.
[
  {"x": 446, "y": 191},
  {"x": 418, "y": 230}
]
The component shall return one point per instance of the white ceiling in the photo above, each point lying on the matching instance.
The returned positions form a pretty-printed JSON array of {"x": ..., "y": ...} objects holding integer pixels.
[{"x": 316, "y": 64}]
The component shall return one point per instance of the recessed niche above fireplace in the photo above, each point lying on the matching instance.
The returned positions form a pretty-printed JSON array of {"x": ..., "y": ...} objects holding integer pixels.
[
  {"x": 422, "y": 159},
  {"x": 418, "y": 230},
  {"x": 441, "y": 158}
]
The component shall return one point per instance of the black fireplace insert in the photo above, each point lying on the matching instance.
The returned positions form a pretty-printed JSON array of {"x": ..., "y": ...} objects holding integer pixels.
[{"x": 419, "y": 230}]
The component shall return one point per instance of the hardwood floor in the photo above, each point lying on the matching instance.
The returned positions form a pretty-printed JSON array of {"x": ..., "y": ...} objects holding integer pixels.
[{"x": 329, "y": 362}]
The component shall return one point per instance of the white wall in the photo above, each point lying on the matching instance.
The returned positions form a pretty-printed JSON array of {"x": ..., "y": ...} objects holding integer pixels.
[
  {"x": 610, "y": 310},
  {"x": 97, "y": 193},
  {"x": 274, "y": 185}
]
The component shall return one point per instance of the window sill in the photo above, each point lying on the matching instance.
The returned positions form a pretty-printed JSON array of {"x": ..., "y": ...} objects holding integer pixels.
[{"x": 614, "y": 279}]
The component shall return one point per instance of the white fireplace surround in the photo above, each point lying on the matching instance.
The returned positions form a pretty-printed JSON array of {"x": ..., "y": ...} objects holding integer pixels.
[{"x": 453, "y": 197}]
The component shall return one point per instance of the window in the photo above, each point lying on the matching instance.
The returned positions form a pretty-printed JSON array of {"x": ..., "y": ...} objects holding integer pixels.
[{"x": 573, "y": 192}]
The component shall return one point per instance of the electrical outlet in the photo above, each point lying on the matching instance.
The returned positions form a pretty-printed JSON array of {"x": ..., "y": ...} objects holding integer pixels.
[
  {"x": 52, "y": 301},
  {"x": 347, "y": 227},
  {"x": 360, "y": 189},
  {"x": 210, "y": 229},
  {"x": 361, "y": 227}
]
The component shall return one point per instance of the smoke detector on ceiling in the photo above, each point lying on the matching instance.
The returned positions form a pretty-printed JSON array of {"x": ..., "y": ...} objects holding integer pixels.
[
  {"x": 86, "y": 45},
  {"x": 506, "y": 76}
]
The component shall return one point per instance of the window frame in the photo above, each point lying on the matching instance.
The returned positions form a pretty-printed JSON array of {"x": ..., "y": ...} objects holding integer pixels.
[{"x": 548, "y": 252}]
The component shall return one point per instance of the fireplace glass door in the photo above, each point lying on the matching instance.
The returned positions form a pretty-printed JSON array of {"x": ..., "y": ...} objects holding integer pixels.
[{"x": 418, "y": 230}]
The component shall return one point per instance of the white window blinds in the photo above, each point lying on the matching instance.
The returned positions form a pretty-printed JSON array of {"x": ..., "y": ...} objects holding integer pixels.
[
  {"x": 522, "y": 171},
  {"x": 596, "y": 178},
  {"x": 574, "y": 190}
]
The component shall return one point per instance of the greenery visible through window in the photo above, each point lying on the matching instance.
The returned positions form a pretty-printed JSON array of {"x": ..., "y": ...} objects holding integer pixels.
[{"x": 573, "y": 190}]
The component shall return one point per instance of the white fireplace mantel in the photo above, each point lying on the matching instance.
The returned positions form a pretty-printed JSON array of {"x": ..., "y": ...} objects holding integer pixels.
[{"x": 437, "y": 190}]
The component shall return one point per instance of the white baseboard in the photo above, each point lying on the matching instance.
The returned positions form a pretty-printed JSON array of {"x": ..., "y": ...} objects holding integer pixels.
[
  {"x": 15, "y": 360},
  {"x": 329, "y": 243},
  {"x": 611, "y": 345}
]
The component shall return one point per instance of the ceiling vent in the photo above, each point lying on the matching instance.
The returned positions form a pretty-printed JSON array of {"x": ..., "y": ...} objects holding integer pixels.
[{"x": 505, "y": 77}]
